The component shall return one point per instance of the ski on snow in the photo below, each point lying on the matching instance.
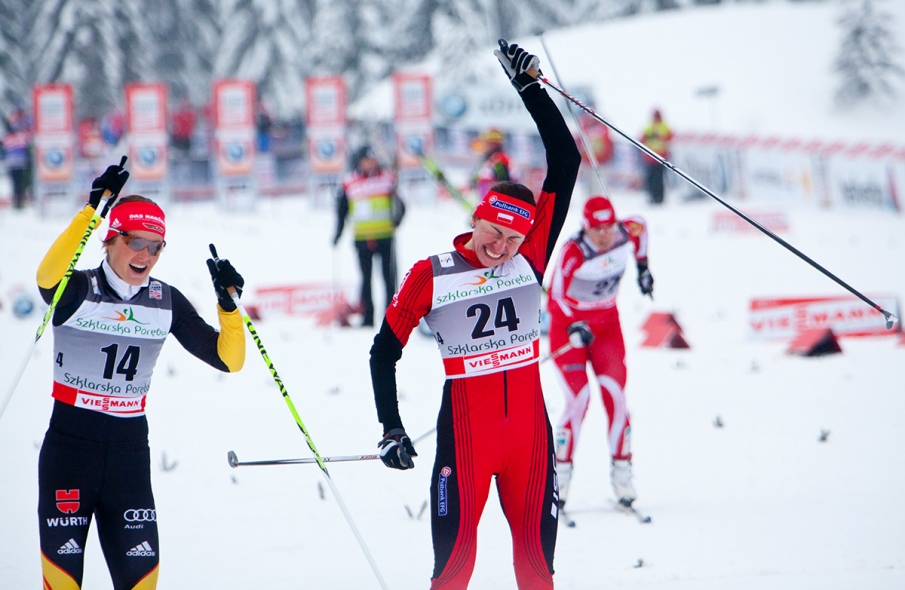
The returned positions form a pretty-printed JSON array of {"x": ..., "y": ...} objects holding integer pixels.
[{"x": 625, "y": 508}]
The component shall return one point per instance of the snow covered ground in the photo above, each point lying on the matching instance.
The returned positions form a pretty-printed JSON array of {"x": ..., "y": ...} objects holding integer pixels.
[{"x": 758, "y": 503}]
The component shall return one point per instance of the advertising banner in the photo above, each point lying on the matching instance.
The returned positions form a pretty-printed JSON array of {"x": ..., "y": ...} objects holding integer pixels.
[
  {"x": 326, "y": 150},
  {"x": 54, "y": 133},
  {"x": 326, "y": 118},
  {"x": 865, "y": 176},
  {"x": 845, "y": 315},
  {"x": 146, "y": 124},
  {"x": 729, "y": 222},
  {"x": 296, "y": 300},
  {"x": 234, "y": 124},
  {"x": 779, "y": 170},
  {"x": 413, "y": 118}
]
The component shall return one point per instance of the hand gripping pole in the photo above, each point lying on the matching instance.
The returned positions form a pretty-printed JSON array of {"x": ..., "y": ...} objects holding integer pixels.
[{"x": 99, "y": 214}]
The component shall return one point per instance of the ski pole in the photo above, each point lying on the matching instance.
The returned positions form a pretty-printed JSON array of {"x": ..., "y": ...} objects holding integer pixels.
[
  {"x": 302, "y": 428},
  {"x": 434, "y": 170},
  {"x": 584, "y": 138},
  {"x": 562, "y": 349},
  {"x": 99, "y": 214},
  {"x": 890, "y": 318},
  {"x": 234, "y": 460}
]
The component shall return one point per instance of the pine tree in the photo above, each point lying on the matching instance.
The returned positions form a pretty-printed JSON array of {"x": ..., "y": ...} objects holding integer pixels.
[{"x": 866, "y": 60}]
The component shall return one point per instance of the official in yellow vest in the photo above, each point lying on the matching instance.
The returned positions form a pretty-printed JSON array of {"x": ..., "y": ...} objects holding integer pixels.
[
  {"x": 368, "y": 196},
  {"x": 657, "y": 137}
]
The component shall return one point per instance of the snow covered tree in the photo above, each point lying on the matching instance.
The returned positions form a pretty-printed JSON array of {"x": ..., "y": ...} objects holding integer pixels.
[
  {"x": 270, "y": 42},
  {"x": 867, "y": 58}
]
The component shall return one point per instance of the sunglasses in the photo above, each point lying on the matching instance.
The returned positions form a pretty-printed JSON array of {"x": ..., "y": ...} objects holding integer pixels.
[{"x": 138, "y": 244}]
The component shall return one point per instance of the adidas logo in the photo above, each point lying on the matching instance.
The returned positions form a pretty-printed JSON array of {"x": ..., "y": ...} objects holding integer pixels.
[
  {"x": 69, "y": 548},
  {"x": 142, "y": 550}
]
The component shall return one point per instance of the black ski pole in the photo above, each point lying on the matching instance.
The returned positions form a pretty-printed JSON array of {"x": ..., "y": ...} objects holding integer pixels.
[{"x": 890, "y": 318}]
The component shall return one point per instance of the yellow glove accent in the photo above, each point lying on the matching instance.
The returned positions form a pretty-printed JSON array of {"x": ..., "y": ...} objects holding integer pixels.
[
  {"x": 231, "y": 342},
  {"x": 56, "y": 261}
]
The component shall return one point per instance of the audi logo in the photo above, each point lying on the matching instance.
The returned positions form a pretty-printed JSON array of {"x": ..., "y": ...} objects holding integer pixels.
[{"x": 141, "y": 515}]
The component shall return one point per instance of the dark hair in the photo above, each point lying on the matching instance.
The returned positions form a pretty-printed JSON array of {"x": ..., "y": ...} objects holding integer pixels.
[
  {"x": 365, "y": 151},
  {"x": 515, "y": 190}
]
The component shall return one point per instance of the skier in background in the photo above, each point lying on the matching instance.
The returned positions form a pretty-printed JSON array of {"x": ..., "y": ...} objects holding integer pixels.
[
  {"x": 656, "y": 137},
  {"x": 494, "y": 166},
  {"x": 368, "y": 194},
  {"x": 108, "y": 328},
  {"x": 482, "y": 301},
  {"x": 17, "y": 153},
  {"x": 584, "y": 322}
]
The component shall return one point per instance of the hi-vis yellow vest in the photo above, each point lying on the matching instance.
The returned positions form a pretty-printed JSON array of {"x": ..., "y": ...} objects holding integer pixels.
[
  {"x": 371, "y": 205},
  {"x": 656, "y": 137}
]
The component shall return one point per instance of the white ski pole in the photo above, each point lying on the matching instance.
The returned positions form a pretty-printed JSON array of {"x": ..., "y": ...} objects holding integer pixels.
[{"x": 584, "y": 138}]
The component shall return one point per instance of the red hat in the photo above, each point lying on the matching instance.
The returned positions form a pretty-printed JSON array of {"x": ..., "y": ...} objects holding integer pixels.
[
  {"x": 136, "y": 215},
  {"x": 598, "y": 211}
]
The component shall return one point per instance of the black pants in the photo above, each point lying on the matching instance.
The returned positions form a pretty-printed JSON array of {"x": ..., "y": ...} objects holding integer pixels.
[
  {"x": 80, "y": 479},
  {"x": 366, "y": 250},
  {"x": 654, "y": 181},
  {"x": 19, "y": 178}
]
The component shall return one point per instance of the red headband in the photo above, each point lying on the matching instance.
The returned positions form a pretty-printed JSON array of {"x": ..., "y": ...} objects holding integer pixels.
[
  {"x": 136, "y": 216},
  {"x": 507, "y": 211}
]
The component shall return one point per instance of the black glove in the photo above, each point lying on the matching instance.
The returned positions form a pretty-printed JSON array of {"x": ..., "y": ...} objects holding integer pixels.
[
  {"x": 224, "y": 276},
  {"x": 580, "y": 335},
  {"x": 113, "y": 179},
  {"x": 516, "y": 62},
  {"x": 645, "y": 280},
  {"x": 397, "y": 450}
]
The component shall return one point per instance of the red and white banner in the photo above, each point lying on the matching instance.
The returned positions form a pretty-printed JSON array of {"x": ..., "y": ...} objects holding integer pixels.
[
  {"x": 306, "y": 299},
  {"x": 234, "y": 127},
  {"x": 728, "y": 221},
  {"x": 325, "y": 101},
  {"x": 146, "y": 124},
  {"x": 326, "y": 119},
  {"x": 412, "y": 98},
  {"x": 54, "y": 137},
  {"x": 413, "y": 116},
  {"x": 783, "y": 318}
]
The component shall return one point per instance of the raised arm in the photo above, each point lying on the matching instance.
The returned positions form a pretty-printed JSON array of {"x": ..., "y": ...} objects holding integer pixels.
[{"x": 563, "y": 157}]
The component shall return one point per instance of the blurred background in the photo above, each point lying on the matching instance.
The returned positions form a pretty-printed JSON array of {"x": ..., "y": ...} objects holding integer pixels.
[{"x": 237, "y": 100}]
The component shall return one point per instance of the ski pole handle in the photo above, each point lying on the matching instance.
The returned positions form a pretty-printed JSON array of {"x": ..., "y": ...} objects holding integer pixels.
[
  {"x": 231, "y": 290},
  {"x": 105, "y": 197},
  {"x": 504, "y": 47}
]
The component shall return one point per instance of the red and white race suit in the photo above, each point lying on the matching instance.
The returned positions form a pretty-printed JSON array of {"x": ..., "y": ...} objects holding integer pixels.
[{"x": 584, "y": 288}]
